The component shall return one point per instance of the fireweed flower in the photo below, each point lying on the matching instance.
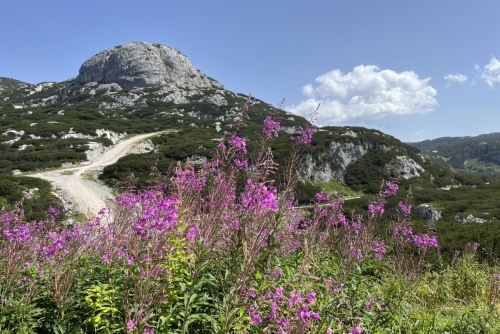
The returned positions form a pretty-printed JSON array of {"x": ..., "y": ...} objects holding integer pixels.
[
  {"x": 310, "y": 297},
  {"x": 259, "y": 196},
  {"x": 376, "y": 209},
  {"x": 251, "y": 292},
  {"x": 402, "y": 230},
  {"x": 355, "y": 330},
  {"x": 241, "y": 164},
  {"x": 279, "y": 293},
  {"x": 271, "y": 127},
  {"x": 238, "y": 143},
  {"x": 105, "y": 257},
  {"x": 294, "y": 299},
  {"x": 305, "y": 136},
  {"x": 337, "y": 204},
  {"x": 424, "y": 241},
  {"x": 321, "y": 196},
  {"x": 130, "y": 325},
  {"x": 255, "y": 318},
  {"x": 404, "y": 208},
  {"x": 193, "y": 232},
  {"x": 272, "y": 313},
  {"x": 378, "y": 249},
  {"x": 391, "y": 188}
]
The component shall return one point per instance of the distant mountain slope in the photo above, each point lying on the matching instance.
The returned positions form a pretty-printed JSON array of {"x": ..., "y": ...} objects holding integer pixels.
[
  {"x": 478, "y": 155},
  {"x": 8, "y": 85}
]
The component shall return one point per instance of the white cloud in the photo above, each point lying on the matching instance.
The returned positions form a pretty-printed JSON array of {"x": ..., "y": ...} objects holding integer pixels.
[
  {"x": 491, "y": 72},
  {"x": 460, "y": 78},
  {"x": 366, "y": 93}
]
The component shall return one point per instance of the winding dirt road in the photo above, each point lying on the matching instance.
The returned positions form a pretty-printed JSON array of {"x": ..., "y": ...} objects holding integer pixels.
[{"x": 79, "y": 190}]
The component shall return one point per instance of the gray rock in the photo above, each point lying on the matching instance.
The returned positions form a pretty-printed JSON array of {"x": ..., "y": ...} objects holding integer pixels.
[
  {"x": 143, "y": 64},
  {"x": 404, "y": 168},
  {"x": 428, "y": 212},
  {"x": 470, "y": 219}
]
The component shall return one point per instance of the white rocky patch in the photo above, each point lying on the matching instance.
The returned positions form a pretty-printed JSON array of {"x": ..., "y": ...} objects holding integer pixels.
[
  {"x": 143, "y": 147},
  {"x": 95, "y": 150},
  {"x": 405, "y": 168}
]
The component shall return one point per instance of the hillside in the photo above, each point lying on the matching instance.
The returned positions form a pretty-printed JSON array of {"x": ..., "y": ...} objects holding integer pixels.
[{"x": 479, "y": 155}]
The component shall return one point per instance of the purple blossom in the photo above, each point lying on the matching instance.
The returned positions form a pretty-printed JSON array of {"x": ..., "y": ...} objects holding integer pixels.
[
  {"x": 241, "y": 164},
  {"x": 271, "y": 127},
  {"x": 130, "y": 325},
  {"x": 251, "y": 292},
  {"x": 282, "y": 322},
  {"x": 255, "y": 318},
  {"x": 314, "y": 315},
  {"x": 376, "y": 209},
  {"x": 302, "y": 312},
  {"x": 378, "y": 249},
  {"x": 405, "y": 208},
  {"x": 294, "y": 299},
  {"x": 403, "y": 230},
  {"x": 279, "y": 293},
  {"x": 354, "y": 253},
  {"x": 391, "y": 188},
  {"x": 272, "y": 313},
  {"x": 277, "y": 272},
  {"x": 337, "y": 204},
  {"x": 310, "y": 297},
  {"x": 105, "y": 257},
  {"x": 321, "y": 196},
  {"x": 424, "y": 241},
  {"x": 238, "y": 143},
  {"x": 355, "y": 330},
  {"x": 193, "y": 232},
  {"x": 259, "y": 196},
  {"x": 305, "y": 136},
  {"x": 329, "y": 330}
]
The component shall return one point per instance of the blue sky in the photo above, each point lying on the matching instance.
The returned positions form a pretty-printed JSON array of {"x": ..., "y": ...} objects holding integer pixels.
[{"x": 415, "y": 70}]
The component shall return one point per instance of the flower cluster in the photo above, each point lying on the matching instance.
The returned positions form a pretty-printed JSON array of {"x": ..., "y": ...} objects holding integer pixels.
[
  {"x": 284, "y": 311},
  {"x": 271, "y": 127},
  {"x": 424, "y": 241},
  {"x": 259, "y": 196},
  {"x": 305, "y": 136},
  {"x": 241, "y": 164},
  {"x": 376, "y": 209},
  {"x": 238, "y": 142}
]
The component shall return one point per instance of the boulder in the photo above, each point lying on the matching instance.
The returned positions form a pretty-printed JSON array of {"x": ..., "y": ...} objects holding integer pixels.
[{"x": 143, "y": 64}]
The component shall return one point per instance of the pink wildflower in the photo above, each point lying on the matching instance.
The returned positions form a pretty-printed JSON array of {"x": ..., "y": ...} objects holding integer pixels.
[{"x": 271, "y": 127}]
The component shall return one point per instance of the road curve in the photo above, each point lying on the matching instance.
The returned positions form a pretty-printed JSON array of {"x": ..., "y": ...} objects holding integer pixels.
[{"x": 86, "y": 195}]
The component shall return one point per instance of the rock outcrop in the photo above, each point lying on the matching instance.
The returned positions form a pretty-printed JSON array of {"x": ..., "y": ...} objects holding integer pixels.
[
  {"x": 428, "y": 212},
  {"x": 143, "y": 64}
]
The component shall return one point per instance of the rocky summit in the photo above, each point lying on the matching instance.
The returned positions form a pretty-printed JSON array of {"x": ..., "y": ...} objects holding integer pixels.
[{"x": 143, "y": 64}]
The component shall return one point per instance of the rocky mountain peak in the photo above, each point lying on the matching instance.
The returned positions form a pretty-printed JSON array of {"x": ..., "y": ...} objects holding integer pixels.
[{"x": 143, "y": 64}]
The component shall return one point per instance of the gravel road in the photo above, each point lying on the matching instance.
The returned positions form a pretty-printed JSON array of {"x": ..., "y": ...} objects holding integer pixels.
[{"x": 76, "y": 185}]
